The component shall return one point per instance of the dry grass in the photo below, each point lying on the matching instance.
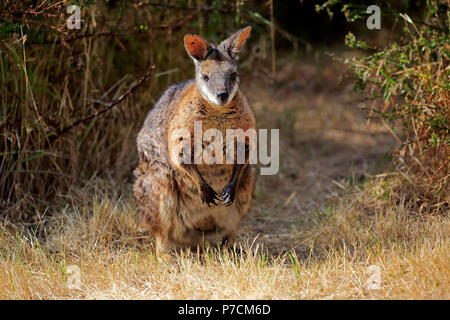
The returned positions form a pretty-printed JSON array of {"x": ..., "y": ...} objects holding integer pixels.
[{"x": 117, "y": 261}]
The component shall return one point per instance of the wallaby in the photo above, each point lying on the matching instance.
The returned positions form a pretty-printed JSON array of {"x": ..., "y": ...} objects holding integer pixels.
[{"x": 178, "y": 201}]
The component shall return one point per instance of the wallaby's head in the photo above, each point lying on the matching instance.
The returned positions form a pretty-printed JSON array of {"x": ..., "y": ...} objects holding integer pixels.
[{"x": 216, "y": 67}]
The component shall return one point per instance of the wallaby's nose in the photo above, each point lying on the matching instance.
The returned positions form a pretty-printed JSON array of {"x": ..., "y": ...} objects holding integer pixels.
[{"x": 222, "y": 95}]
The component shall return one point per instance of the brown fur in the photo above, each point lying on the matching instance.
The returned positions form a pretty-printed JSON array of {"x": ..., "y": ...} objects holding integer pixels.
[{"x": 167, "y": 192}]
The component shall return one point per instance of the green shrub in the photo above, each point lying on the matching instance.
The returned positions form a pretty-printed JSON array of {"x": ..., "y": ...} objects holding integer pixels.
[{"x": 411, "y": 74}]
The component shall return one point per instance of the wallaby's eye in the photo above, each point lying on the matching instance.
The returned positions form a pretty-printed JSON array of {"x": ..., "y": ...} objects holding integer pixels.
[
  {"x": 205, "y": 77},
  {"x": 234, "y": 76}
]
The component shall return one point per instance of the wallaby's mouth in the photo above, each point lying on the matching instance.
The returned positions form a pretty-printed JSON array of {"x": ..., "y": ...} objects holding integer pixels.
[
  {"x": 221, "y": 104},
  {"x": 225, "y": 97},
  {"x": 222, "y": 97},
  {"x": 219, "y": 100}
]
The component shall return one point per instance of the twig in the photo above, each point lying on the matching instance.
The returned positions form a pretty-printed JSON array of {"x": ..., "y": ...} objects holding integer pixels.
[
  {"x": 109, "y": 105},
  {"x": 174, "y": 6},
  {"x": 272, "y": 38},
  {"x": 34, "y": 12},
  {"x": 126, "y": 32},
  {"x": 290, "y": 37}
]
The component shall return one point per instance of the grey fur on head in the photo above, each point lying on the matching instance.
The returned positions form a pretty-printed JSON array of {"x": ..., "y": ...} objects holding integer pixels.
[{"x": 216, "y": 67}]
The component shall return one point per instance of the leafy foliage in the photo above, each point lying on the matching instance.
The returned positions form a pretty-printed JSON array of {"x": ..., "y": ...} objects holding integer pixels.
[{"x": 412, "y": 76}]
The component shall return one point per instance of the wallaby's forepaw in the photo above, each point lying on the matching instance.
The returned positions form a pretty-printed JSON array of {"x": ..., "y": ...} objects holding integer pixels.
[
  {"x": 208, "y": 194},
  {"x": 227, "y": 196}
]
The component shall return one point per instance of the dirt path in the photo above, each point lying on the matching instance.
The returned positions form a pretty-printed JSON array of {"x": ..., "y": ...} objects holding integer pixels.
[{"x": 325, "y": 144}]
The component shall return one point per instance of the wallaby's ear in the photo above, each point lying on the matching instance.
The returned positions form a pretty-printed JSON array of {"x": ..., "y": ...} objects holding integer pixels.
[
  {"x": 196, "y": 46},
  {"x": 234, "y": 43}
]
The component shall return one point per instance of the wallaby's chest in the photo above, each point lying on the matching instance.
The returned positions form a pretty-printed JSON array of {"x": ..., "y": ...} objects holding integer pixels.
[
  {"x": 219, "y": 119},
  {"x": 209, "y": 127},
  {"x": 215, "y": 127}
]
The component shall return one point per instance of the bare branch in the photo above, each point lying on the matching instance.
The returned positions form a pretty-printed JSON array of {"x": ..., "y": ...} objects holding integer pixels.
[
  {"x": 174, "y": 6},
  {"x": 109, "y": 105}
]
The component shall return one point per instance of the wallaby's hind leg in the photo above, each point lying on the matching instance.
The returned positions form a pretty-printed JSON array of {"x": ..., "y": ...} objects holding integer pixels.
[
  {"x": 162, "y": 244},
  {"x": 157, "y": 204},
  {"x": 151, "y": 221},
  {"x": 228, "y": 241}
]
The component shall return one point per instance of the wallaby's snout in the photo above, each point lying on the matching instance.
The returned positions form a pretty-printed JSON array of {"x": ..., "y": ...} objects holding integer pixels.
[
  {"x": 216, "y": 66},
  {"x": 222, "y": 96}
]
